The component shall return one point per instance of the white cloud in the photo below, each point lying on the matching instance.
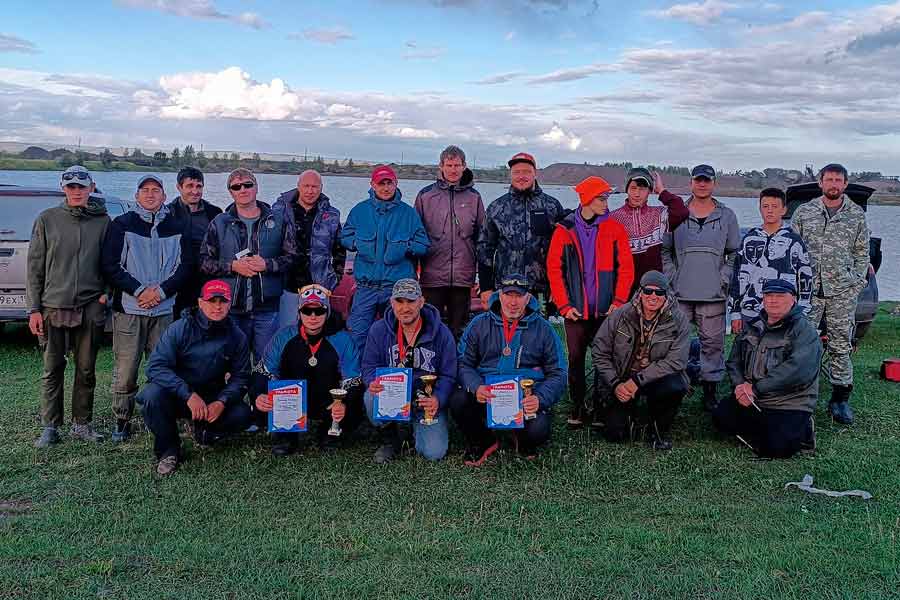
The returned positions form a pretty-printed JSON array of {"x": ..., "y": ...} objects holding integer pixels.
[
  {"x": 499, "y": 78},
  {"x": 557, "y": 137},
  {"x": 196, "y": 9},
  {"x": 697, "y": 13},
  {"x": 12, "y": 43},
  {"x": 572, "y": 74},
  {"x": 324, "y": 35}
]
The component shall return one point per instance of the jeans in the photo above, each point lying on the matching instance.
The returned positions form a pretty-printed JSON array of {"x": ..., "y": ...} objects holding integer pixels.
[
  {"x": 471, "y": 417},
  {"x": 259, "y": 327},
  {"x": 431, "y": 440},
  {"x": 287, "y": 309},
  {"x": 663, "y": 399},
  {"x": 453, "y": 303},
  {"x": 771, "y": 433},
  {"x": 134, "y": 337},
  {"x": 367, "y": 303}
]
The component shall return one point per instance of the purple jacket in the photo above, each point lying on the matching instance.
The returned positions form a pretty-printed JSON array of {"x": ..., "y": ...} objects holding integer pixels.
[{"x": 453, "y": 215}]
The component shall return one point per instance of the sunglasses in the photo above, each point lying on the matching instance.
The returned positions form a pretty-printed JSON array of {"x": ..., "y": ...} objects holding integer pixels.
[
  {"x": 653, "y": 291},
  {"x": 75, "y": 175},
  {"x": 314, "y": 311},
  {"x": 236, "y": 186},
  {"x": 516, "y": 282}
]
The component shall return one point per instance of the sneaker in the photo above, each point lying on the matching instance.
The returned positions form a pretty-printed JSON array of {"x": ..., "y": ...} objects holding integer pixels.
[
  {"x": 385, "y": 454},
  {"x": 85, "y": 432},
  {"x": 841, "y": 412},
  {"x": 574, "y": 423},
  {"x": 167, "y": 465},
  {"x": 252, "y": 429},
  {"x": 283, "y": 449},
  {"x": 122, "y": 432},
  {"x": 661, "y": 444},
  {"x": 475, "y": 457},
  {"x": 49, "y": 436}
]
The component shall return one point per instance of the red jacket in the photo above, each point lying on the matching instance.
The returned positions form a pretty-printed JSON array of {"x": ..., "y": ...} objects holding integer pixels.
[{"x": 565, "y": 265}]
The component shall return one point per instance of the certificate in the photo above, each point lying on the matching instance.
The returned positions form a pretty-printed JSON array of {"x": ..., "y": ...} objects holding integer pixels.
[
  {"x": 288, "y": 406},
  {"x": 504, "y": 411},
  {"x": 393, "y": 403}
]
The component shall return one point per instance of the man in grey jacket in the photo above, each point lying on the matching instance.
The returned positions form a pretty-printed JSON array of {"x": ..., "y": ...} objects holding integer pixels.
[
  {"x": 698, "y": 258},
  {"x": 774, "y": 366}
]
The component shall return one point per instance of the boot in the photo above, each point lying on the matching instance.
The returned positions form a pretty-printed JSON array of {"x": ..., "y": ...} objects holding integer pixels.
[
  {"x": 391, "y": 444},
  {"x": 839, "y": 405},
  {"x": 709, "y": 395}
]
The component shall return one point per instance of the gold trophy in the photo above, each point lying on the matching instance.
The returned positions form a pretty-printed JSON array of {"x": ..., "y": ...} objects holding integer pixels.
[
  {"x": 337, "y": 396},
  {"x": 428, "y": 381},
  {"x": 527, "y": 386}
]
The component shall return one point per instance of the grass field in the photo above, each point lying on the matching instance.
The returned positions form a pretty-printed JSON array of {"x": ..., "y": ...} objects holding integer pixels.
[{"x": 587, "y": 519}]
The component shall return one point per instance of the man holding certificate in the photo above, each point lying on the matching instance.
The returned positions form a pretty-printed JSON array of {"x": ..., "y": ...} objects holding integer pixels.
[
  {"x": 512, "y": 340},
  {"x": 403, "y": 352},
  {"x": 314, "y": 350}
]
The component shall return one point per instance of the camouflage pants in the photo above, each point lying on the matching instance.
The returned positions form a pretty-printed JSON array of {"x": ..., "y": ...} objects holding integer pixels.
[{"x": 840, "y": 319}]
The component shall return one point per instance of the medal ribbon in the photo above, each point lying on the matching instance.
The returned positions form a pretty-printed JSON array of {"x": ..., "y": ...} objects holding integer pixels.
[
  {"x": 509, "y": 330},
  {"x": 313, "y": 348},
  {"x": 402, "y": 348}
]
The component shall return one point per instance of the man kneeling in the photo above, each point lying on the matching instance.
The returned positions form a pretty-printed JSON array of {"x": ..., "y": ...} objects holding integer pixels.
[
  {"x": 641, "y": 351},
  {"x": 774, "y": 366},
  {"x": 316, "y": 351},
  {"x": 512, "y": 338},
  {"x": 187, "y": 377}
]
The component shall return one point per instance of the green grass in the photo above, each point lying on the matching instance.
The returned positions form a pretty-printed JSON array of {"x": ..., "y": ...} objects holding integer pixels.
[
  {"x": 35, "y": 164},
  {"x": 587, "y": 519}
]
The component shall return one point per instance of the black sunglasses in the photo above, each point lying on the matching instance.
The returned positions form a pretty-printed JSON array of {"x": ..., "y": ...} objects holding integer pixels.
[
  {"x": 316, "y": 311},
  {"x": 75, "y": 175},
  {"x": 236, "y": 186},
  {"x": 516, "y": 282},
  {"x": 653, "y": 291}
]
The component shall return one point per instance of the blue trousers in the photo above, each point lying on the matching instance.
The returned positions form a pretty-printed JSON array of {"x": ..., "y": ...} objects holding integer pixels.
[
  {"x": 367, "y": 303},
  {"x": 259, "y": 327},
  {"x": 431, "y": 440}
]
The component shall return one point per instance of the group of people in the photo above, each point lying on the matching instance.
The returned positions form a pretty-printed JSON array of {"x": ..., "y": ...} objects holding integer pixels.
[{"x": 219, "y": 303}]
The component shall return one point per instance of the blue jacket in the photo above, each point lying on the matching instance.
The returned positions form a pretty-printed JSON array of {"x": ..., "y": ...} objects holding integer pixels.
[
  {"x": 142, "y": 250},
  {"x": 387, "y": 237},
  {"x": 537, "y": 352},
  {"x": 348, "y": 355},
  {"x": 194, "y": 354},
  {"x": 325, "y": 254},
  {"x": 272, "y": 238},
  {"x": 434, "y": 352}
]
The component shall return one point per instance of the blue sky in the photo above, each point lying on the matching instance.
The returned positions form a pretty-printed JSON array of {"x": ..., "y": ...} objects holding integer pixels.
[{"x": 735, "y": 83}]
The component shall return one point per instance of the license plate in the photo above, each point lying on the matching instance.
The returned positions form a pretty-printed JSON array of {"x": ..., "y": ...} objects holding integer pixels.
[{"x": 12, "y": 300}]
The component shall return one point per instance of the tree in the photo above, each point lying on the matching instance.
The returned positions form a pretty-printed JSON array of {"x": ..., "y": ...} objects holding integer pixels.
[
  {"x": 137, "y": 154},
  {"x": 235, "y": 159},
  {"x": 175, "y": 161},
  {"x": 201, "y": 159},
  {"x": 106, "y": 157},
  {"x": 189, "y": 157},
  {"x": 160, "y": 159},
  {"x": 349, "y": 163},
  {"x": 215, "y": 157},
  {"x": 66, "y": 160}
]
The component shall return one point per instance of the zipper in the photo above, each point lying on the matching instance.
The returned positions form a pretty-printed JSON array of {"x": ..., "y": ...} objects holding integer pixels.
[{"x": 452, "y": 233}]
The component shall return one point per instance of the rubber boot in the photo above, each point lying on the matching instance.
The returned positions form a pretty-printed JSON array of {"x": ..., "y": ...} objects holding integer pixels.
[
  {"x": 839, "y": 405},
  {"x": 709, "y": 395}
]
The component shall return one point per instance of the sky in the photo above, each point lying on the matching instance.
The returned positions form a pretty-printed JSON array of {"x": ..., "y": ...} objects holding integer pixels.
[{"x": 737, "y": 84}]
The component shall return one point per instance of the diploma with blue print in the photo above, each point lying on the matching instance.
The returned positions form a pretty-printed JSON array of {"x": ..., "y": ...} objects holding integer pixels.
[
  {"x": 394, "y": 402},
  {"x": 288, "y": 398},
  {"x": 504, "y": 411}
]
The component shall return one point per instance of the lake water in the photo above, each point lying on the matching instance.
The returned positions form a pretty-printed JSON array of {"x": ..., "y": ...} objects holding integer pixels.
[{"x": 345, "y": 192}]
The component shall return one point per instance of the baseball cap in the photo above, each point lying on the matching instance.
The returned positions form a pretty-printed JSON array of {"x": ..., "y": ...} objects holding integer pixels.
[
  {"x": 314, "y": 295},
  {"x": 215, "y": 288},
  {"x": 382, "y": 172},
  {"x": 408, "y": 289},
  {"x": 76, "y": 174},
  {"x": 778, "y": 286},
  {"x": 147, "y": 178},
  {"x": 592, "y": 187},
  {"x": 639, "y": 174},
  {"x": 514, "y": 282},
  {"x": 522, "y": 157},
  {"x": 703, "y": 171}
]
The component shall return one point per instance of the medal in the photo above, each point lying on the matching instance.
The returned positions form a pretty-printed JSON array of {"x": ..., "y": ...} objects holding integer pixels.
[
  {"x": 507, "y": 351},
  {"x": 313, "y": 348},
  {"x": 402, "y": 348},
  {"x": 313, "y": 361},
  {"x": 509, "y": 332}
]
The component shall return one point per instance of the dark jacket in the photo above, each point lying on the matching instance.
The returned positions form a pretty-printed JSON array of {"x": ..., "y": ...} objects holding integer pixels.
[
  {"x": 388, "y": 237},
  {"x": 194, "y": 354},
  {"x": 348, "y": 355},
  {"x": 325, "y": 255},
  {"x": 64, "y": 256},
  {"x": 781, "y": 361},
  {"x": 453, "y": 216},
  {"x": 178, "y": 208},
  {"x": 435, "y": 351},
  {"x": 272, "y": 238},
  {"x": 142, "y": 250},
  {"x": 516, "y": 236},
  {"x": 617, "y": 339},
  {"x": 536, "y": 352},
  {"x": 190, "y": 291}
]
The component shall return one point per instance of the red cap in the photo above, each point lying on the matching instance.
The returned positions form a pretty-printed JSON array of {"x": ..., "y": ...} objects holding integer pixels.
[
  {"x": 592, "y": 187},
  {"x": 383, "y": 172},
  {"x": 522, "y": 157},
  {"x": 215, "y": 288}
]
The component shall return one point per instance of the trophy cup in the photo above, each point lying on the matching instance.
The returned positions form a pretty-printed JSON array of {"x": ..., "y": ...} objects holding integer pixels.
[
  {"x": 428, "y": 381},
  {"x": 527, "y": 386},
  {"x": 337, "y": 396}
]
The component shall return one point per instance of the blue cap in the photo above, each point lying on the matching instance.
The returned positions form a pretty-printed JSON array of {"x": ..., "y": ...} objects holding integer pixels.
[
  {"x": 778, "y": 286},
  {"x": 703, "y": 171},
  {"x": 147, "y": 178},
  {"x": 514, "y": 282}
]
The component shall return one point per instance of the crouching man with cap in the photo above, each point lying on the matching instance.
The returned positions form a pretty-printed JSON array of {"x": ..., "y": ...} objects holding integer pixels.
[
  {"x": 187, "y": 377},
  {"x": 411, "y": 335},
  {"x": 317, "y": 351},
  {"x": 774, "y": 366},
  {"x": 641, "y": 352},
  {"x": 511, "y": 338}
]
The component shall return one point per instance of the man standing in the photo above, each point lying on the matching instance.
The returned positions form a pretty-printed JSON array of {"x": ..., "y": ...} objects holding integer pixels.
[
  {"x": 516, "y": 233},
  {"x": 646, "y": 225},
  {"x": 197, "y": 214},
  {"x": 411, "y": 335},
  {"x": 320, "y": 255},
  {"x": 65, "y": 300},
  {"x": 511, "y": 338},
  {"x": 590, "y": 270},
  {"x": 698, "y": 257},
  {"x": 388, "y": 237},
  {"x": 146, "y": 260},
  {"x": 772, "y": 251},
  {"x": 835, "y": 231},
  {"x": 199, "y": 370},
  {"x": 453, "y": 213},
  {"x": 641, "y": 351},
  {"x": 774, "y": 366}
]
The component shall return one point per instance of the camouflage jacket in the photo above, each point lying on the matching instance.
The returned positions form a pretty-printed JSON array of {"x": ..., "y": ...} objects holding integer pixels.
[
  {"x": 516, "y": 235},
  {"x": 838, "y": 246}
]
